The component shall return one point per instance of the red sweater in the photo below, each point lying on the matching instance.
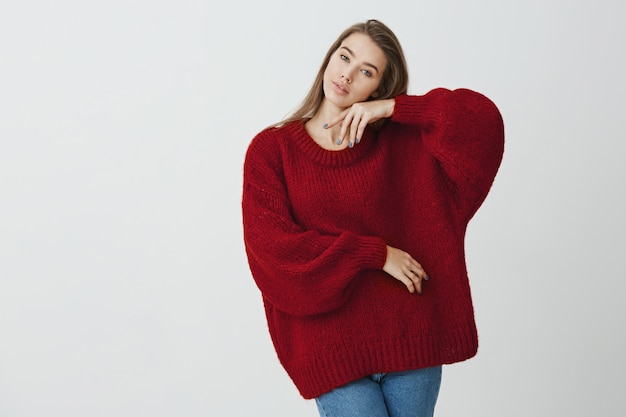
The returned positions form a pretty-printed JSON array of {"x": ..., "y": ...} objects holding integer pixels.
[{"x": 317, "y": 222}]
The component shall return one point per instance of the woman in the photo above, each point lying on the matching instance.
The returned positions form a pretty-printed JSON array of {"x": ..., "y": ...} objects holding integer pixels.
[{"x": 354, "y": 212}]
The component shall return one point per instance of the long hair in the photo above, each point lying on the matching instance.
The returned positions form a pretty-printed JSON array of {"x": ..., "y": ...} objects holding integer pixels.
[{"x": 395, "y": 79}]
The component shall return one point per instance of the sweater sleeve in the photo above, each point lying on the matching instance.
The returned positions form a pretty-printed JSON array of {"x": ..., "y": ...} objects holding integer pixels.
[
  {"x": 300, "y": 272},
  {"x": 464, "y": 132}
]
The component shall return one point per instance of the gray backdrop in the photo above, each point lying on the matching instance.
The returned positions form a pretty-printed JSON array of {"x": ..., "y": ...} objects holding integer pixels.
[{"x": 124, "y": 287}]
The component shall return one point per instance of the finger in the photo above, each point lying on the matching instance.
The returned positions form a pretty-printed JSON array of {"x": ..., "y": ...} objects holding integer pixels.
[
  {"x": 422, "y": 274},
  {"x": 418, "y": 284},
  {"x": 360, "y": 131},
  {"x": 357, "y": 119},
  {"x": 417, "y": 268},
  {"x": 347, "y": 120},
  {"x": 354, "y": 127},
  {"x": 410, "y": 285},
  {"x": 416, "y": 280},
  {"x": 336, "y": 120}
]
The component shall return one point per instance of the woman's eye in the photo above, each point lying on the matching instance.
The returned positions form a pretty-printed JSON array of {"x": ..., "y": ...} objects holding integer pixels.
[
  {"x": 345, "y": 58},
  {"x": 366, "y": 72}
]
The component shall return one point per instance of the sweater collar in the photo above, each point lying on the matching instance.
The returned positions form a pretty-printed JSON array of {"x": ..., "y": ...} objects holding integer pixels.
[{"x": 297, "y": 133}]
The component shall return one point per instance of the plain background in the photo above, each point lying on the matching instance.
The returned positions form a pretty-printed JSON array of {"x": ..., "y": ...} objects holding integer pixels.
[{"x": 124, "y": 286}]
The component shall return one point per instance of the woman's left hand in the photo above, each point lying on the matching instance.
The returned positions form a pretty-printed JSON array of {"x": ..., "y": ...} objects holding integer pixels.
[{"x": 355, "y": 118}]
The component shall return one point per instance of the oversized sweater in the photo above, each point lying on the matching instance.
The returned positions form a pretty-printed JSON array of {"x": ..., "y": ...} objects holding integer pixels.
[{"x": 317, "y": 222}]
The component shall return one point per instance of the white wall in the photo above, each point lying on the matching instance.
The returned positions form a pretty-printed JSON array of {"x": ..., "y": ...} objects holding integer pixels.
[{"x": 124, "y": 287}]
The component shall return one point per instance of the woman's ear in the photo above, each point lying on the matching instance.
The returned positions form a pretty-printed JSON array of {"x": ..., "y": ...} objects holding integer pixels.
[{"x": 375, "y": 94}]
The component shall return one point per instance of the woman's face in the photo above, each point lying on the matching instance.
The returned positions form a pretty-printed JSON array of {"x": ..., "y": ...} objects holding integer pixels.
[{"x": 354, "y": 71}]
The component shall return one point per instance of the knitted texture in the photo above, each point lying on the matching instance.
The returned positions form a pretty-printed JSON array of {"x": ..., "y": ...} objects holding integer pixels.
[{"x": 317, "y": 222}]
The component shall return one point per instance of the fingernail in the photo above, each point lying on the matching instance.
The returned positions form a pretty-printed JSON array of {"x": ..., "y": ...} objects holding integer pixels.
[
  {"x": 325, "y": 125},
  {"x": 339, "y": 141},
  {"x": 358, "y": 140},
  {"x": 426, "y": 277},
  {"x": 350, "y": 145}
]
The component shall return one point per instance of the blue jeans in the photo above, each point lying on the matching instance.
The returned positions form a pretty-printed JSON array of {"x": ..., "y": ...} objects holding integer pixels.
[{"x": 395, "y": 394}]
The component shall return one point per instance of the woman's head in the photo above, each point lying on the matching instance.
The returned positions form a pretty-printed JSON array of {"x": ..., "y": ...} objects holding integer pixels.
[
  {"x": 392, "y": 82},
  {"x": 354, "y": 72}
]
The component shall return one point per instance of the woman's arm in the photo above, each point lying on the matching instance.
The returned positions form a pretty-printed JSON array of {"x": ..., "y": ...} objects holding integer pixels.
[
  {"x": 462, "y": 129},
  {"x": 299, "y": 271},
  {"x": 464, "y": 132}
]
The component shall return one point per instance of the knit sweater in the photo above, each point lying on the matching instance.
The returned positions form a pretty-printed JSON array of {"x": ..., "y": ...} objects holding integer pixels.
[{"x": 317, "y": 222}]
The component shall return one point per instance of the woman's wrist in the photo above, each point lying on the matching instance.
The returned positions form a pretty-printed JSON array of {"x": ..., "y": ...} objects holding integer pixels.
[{"x": 391, "y": 105}]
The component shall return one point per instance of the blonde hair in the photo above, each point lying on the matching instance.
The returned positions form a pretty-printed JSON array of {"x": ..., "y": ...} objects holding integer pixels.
[{"x": 395, "y": 79}]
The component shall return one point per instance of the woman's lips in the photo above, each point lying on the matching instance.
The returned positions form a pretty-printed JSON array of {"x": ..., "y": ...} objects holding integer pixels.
[{"x": 341, "y": 88}]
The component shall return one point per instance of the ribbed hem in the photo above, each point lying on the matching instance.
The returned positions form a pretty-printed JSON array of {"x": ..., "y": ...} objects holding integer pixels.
[{"x": 326, "y": 373}]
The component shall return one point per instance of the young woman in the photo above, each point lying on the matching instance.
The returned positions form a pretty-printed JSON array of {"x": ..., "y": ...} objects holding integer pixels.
[{"x": 354, "y": 212}]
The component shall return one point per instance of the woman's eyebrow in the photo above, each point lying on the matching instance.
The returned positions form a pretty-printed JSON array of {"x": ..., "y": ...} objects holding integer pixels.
[{"x": 365, "y": 63}]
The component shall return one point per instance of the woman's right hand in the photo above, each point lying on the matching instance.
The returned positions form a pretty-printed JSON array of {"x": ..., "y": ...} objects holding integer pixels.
[
  {"x": 405, "y": 269},
  {"x": 355, "y": 118}
]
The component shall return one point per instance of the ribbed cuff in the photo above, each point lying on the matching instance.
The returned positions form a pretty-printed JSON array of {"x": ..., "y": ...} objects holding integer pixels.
[{"x": 372, "y": 252}]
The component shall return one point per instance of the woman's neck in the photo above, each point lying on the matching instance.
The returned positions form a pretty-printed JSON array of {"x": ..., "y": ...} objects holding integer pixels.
[{"x": 326, "y": 137}]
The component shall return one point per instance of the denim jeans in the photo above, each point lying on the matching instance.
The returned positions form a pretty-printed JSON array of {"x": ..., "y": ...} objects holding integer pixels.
[{"x": 395, "y": 394}]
